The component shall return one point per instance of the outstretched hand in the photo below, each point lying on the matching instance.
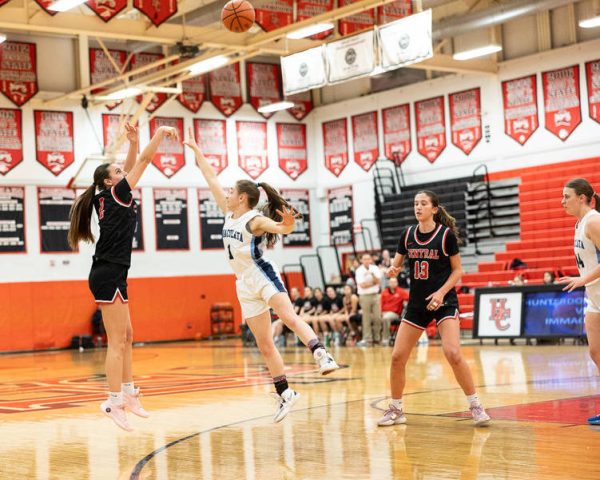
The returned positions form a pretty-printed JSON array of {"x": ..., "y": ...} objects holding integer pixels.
[
  {"x": 132, "y": 133},
  {"x": 571, "y": 283},
  {"x": 288, "y": 216},
  {"x": 191, "y": 141}
]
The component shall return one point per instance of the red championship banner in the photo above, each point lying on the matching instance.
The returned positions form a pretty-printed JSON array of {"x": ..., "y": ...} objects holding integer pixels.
[
  {"x": 169, "y": 157},
  {"x": 18, "y": 71},
  {"x": 365, "y": 138},
  {"x": 274, "y": 14},
  {"x": 291, "y": 148},
  {"x": 303, "y": 105},
  {"x": 193, "y": 93},
  {"x": 519, "y": 97},
  {"x": 431, "y": 127},
  {"x": 592, "y": 73},
  {"x": 252, "y": 147},
  {"x": 264, "y": 85},
  {"x": 335, "y": 145},
  {"x": 111, "y": 129},
  {"x": 142, "y": 59},
  {"x": 11, "y": 139},
  {"x": 394, "y": 11},
  {"x": 45, "y": 4},
  {"x": 396, "y": 133},
  {"x": 158, "y": 11},
  {"x": 465, "y": 119},
  {"x": 225, "y": 89},
  {"x": 3, "y": 2},
  {"x": 562, "y": 104},
  {"x": 54, "y": 139},
  {"x": 102, "y": 68},
  {"x": 106, "y": 9},
  {"x": 357, "y": 22},
  {"x": 311, "y": 8},
  {"x": 211, "y": 136}
]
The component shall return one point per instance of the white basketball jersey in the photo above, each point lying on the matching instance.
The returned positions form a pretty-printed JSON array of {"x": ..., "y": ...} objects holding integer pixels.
[
  {"x": 241, "y": 247},
  {"x": 587, "y": 255}
]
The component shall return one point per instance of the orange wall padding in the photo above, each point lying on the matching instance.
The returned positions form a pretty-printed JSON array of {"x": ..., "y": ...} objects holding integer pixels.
[
  {"x": 543, "y": 169},
  {"x": 42, "y": 315}
]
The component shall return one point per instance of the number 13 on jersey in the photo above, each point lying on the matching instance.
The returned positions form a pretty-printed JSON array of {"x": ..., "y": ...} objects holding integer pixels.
[{"x": 421, "y": 270}]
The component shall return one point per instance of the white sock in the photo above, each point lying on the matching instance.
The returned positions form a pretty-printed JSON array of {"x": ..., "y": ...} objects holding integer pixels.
[
  {"x": 116, "y": 398},
  {"x": 128, "y": 388},
  {"x": 473, "y": 399},
  {"x": 399, "y": 404}
]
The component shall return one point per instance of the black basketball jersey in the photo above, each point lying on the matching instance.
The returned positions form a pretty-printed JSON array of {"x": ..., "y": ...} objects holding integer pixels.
[
  {"x": 429, "y": 260},
  {"x": 117, "y": 217}
]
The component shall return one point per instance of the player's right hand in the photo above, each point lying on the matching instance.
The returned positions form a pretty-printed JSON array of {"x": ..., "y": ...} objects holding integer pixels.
[
  {"x": 191, "y": 141},
  {"x": 392, "y": 272}
]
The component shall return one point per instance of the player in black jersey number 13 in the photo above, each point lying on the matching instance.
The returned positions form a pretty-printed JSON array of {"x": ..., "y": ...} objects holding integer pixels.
[{"x": 431, "y": 247}]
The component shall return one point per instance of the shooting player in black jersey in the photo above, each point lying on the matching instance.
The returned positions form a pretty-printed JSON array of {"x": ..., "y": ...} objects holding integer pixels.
[
  {"x": 110, "y": 196},
  {"x": 433, "y": 255}
]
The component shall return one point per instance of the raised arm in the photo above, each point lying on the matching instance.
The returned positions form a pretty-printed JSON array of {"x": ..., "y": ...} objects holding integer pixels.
[
  {"x": 208, "y": 172},
  {"x": 260, "y": 224},
  {"x": 134, "y": 140},
  {"x": 145, "y": 158}
]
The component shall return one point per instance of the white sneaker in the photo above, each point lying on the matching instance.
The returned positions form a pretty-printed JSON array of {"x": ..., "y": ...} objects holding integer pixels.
[
  {"x": 480, "y": 417},
  {"x": 325, "y": 361},
  {"x": 286, "y": 401},
  {"x": 117, "y": 414}
]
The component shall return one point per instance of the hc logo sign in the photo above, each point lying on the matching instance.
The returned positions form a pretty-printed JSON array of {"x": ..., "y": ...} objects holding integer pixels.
[{"x": 499, "y": 313}]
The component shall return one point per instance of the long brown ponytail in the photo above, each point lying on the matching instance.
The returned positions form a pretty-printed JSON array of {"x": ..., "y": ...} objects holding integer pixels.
[
  {"x": 442, "y": 216},
  {"x": 81, "y": 211},
  {"x": 583, "y": 187},
  {"x": 274, "y": 203}
]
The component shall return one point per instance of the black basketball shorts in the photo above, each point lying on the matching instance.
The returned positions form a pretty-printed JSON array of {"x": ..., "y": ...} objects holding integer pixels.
[
  {"x": 419, "y": 317},
  {"x": 107, "y": 280}
]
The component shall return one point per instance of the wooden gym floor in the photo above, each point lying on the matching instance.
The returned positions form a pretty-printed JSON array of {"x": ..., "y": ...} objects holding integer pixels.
[{"x": 211, "y": 416}]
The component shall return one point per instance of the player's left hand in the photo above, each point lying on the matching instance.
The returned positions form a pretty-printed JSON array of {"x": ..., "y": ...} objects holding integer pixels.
[
  {"x": 131, "y": 133},
  {"x": 572, "y": 283},
  {"x": 436, "y": 300},
  {"x": 288, "y": 216}
]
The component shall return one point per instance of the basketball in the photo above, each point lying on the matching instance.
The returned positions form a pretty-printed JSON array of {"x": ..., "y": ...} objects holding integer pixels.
[{"x": 238, "y": 16}]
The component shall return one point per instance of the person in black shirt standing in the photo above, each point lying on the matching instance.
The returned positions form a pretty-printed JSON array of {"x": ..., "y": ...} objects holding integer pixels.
[
  {"x": 117, "y": 219},
  {"x": 433, "y": 255}
]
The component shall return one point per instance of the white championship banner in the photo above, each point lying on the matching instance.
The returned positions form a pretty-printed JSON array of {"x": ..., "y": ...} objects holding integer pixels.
[
  {"x": 351, "y": 57},
  {"x": 303, "y": 71},
  {"x": 406, "y": 41}
]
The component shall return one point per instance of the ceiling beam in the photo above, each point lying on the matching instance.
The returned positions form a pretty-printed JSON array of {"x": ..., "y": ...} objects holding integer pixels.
[{"x": 445, "y": 63}]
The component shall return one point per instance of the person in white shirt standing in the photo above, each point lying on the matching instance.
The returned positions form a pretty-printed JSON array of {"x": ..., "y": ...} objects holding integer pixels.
[{"x": 368, "y": 281}]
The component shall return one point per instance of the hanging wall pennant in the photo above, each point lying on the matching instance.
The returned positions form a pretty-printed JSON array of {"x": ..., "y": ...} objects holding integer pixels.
[
  {"x": 45, "y": 4},
  {"x": 465, "y": 119},
  {"x": 158, "y": 11},
  {"x": 357, "y": 22},
  {"x": 169, "y": 157},
  {"x": 54, "y": 140},
  {"x": 264, "y": 85},
  {"x": 106, "y": 9},
  {"x": 225, "y": 89},
  {"x": 396, "y": 133},
  {"x": 193, "y": 93},
  {"x": 102, "y": 68},
  {"x": 274, "y": 14},
  {"x": 519, "y": 99},
  {"x": 365, "y": 139},
  {"x": 11, "y": 139},
  {"x": 335, "y": 145},
  {"x": 211, "y": 136},
  {"x": 291, "y": 148},
  {"x": 3, "y": 2},
  {"x": 394, "y": 11},
  {"x": 142, "y": 59},
  {"x": 311, "y": 8},
  {"x": 431, "y": 127},
  {"x": 18, "y": 71},
  {"x": 562, "y": 103},
  {"x": 303, "y": 105},
  {"x": 252, "y": 147},
  {"x": 111, "y": 129},
  {"x": 592, "y": 74}
]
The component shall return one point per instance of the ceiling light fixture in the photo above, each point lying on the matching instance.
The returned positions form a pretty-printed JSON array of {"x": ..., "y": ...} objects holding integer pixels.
[
  {"x": 208, "y": 64},
  {"x": 275, "y": 107},
  {"x": 64, "y": 5},
  {"x": 590, "y": 22},
  {"x": 122, "y": 94},
  {"x": 310, "y": 30},
  {"x": 477, "y": 52}
]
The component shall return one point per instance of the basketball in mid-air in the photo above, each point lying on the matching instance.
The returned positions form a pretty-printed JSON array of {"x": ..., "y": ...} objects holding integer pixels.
[{"x": 238, "y": 16}]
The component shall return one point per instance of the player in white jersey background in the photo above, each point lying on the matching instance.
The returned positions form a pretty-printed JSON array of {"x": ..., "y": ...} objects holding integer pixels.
[
  {"x": 580, "y": 200},
  {"x": 258, "y": 282}
]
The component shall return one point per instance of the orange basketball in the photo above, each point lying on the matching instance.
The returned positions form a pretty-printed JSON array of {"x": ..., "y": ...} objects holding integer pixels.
[{"x": 238, "y": 16}]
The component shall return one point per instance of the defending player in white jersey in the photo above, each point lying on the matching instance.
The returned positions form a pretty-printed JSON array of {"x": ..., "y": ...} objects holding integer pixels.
[
  {"x": 258, "y": 282},
  {"x": 580, "y": 200}
]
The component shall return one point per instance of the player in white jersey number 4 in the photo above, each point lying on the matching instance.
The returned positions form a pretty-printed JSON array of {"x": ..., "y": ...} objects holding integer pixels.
[
  {"x": 580, "y": 200},
  {"x": 258, "y": 282}
]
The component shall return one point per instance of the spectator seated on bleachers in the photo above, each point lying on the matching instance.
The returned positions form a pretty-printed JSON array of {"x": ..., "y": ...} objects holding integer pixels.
[
  {"x": 332, "y": 315},
  {"x": 549, "y": 278},
  {"x": 393, "y": 300}
]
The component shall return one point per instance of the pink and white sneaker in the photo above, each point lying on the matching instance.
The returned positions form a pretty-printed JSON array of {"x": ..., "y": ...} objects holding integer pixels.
[
  {"x": 133, "y": 404},
  {"x": 480, "y": 418},
  {"x": 117, "y": 414}
]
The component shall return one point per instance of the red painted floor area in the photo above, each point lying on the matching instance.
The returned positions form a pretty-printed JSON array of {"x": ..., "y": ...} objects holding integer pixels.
[{"x": 571, "y": 411}]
